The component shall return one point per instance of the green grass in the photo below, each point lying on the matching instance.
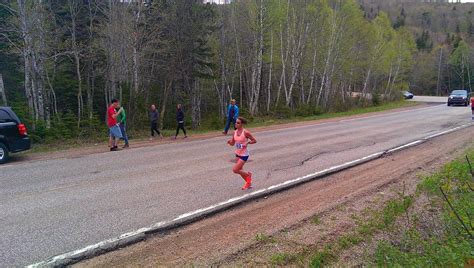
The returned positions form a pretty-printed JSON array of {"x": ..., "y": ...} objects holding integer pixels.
[
  {"x": 450, "y": 249},
  {"x": 260, "y": 237},
  {"x": 209, "y": 127},
  {"x": 315, "y": 220},
  {"x": 322, "y": 258},
  {"x": 376, "y": 221},
  {"x": 453, "y": 244},
  {"x": 284, "y": 258}
]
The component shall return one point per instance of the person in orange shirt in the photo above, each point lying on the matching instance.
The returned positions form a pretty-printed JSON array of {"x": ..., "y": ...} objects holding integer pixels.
[
  {"x": 114, "y": 129},
  {"x": 472, "y": 107}
]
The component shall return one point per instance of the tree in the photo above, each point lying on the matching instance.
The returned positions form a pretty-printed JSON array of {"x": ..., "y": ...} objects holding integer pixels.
[
  {"x": 460, "y": 63},
  {"x": 2, "y": 91}
]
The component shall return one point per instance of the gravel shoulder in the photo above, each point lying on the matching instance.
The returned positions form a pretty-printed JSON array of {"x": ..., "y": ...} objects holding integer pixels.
[{"x": 252, "y": 233}]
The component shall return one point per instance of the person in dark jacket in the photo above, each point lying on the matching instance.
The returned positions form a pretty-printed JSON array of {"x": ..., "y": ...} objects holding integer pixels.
[
  {"x": 154, "y": 115},
  {"x": 232, "y": 115},
  {"x": 180, "y": 121}
]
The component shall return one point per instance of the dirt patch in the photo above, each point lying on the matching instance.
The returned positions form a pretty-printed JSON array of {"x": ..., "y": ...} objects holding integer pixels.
[
  {"x": 303, "y": 218},
  {"x": 139, "y": 143}
]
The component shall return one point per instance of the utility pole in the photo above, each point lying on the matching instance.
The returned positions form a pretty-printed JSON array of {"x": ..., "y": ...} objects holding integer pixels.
[{"x": 439, "y": 69}]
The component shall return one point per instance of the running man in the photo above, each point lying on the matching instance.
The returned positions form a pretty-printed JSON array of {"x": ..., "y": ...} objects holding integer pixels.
[
  {"x": 154, "y": 115},
  {"x": 114, "y": 130},
  {"x": 241, "y": 139},
  {"x": 180, "y": 121}
]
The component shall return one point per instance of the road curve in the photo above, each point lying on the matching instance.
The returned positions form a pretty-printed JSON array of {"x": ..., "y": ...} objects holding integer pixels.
[{"x": 55, "y": 206}]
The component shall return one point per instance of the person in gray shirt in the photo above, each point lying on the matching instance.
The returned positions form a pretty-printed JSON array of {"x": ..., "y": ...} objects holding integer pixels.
[{"x": 154, "y": 115}]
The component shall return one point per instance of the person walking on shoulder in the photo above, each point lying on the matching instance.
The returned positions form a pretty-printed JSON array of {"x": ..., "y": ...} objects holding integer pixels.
[
  {"x": 232, "y": 115},
  {"x": 114, "y": 130},
  {"x": 122, "y": 120},
  {"x": 154, "y": 115},
  {"x": 180, "y": 121},
  {"x": 241, "y": 139}
]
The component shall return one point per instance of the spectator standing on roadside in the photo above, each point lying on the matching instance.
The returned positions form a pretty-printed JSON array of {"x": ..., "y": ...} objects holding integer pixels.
[
  {"x": 122, "y": 121},
  {"x": 472, "y": 108},
  {"x": 180, "y": 121},
  {"x": 114, "y": 130},
  {"x": 154, "y": 115},
  {"x": 232, "y": 115}
]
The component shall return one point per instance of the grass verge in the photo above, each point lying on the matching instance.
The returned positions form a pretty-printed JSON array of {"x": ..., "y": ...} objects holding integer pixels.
[{"x": 432, "y": 227}]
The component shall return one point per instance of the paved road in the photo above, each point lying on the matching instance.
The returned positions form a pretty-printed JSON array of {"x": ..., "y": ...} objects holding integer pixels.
[{"x": 55, "y": 206}]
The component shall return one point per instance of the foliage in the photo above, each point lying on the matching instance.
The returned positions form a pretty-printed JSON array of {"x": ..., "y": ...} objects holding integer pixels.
[
  {"x": 453, "y": 244},
  {"x": 280, "y": 58}
]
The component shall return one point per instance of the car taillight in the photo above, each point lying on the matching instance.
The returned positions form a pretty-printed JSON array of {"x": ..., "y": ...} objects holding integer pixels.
[{"x": 22, "y": 129}]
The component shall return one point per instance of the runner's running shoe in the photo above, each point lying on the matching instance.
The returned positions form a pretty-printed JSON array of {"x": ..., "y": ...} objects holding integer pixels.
[{"x": 248, "y": 182}]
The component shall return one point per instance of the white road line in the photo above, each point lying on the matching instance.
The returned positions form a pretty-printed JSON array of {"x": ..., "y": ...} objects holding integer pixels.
[
  {"x": 189, "y": 215},
  {"x": 193, "y": 213},
  {"x": 405, "y": 146},
  {"x": 446, "y": 132}
]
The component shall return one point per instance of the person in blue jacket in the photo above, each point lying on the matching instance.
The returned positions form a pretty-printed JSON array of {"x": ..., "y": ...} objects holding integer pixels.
[{"x": 232, "y": 115}]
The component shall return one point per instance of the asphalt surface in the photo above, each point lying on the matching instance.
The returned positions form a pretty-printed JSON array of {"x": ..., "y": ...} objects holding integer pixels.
[{"x": 55, "y": 206}]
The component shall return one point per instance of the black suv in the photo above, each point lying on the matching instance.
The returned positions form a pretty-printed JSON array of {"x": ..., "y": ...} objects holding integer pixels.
[
  {"x": 13, "y": 135},
  {"x": 458, "y": 97}
]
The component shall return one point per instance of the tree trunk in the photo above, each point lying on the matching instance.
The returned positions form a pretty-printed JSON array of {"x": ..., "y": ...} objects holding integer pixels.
[
  {"x": 324, "y": 78},
  {"x": 239, "y": 57},
  {"x": 284, "y": 58},
  {"x": 296, "y": 59},
  {"x": 313, "y": 76},
  {"x": 164, "y": 101},
  {"x": 269, "y": 86},
  {"x": 221, "y": 91},
  {"x": 2, "y": 91},
  {"x": 80, "y": 101},
  {"x": 469, "y": 77},
  {"x": 439, "y": 70},
  {"x": 196, "y": 104},
  {"x": 91, "y": 72},
  {"x": 257, "y": 69},
  {"x": 73, "y": 12}
]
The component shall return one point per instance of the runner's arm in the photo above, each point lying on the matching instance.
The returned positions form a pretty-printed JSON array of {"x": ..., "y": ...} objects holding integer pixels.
[
  {"x": 250, "y": 136},
  {"x": 231, "y": 142}
]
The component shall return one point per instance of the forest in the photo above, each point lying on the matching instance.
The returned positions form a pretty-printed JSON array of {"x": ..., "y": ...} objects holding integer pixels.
[{"x": 63, "y": 61}]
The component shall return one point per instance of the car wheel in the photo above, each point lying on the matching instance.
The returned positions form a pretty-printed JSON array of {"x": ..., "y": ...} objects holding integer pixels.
[
  {"x": 449, "y": 104},
  {"x": 3, "y": 153}
]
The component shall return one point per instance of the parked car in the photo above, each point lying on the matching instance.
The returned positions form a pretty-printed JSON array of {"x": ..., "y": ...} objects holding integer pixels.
[
  {"x": 407, "y": 95},
  {"x": 458, "y": 97},
  {"x": 13, "y": 134}
]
